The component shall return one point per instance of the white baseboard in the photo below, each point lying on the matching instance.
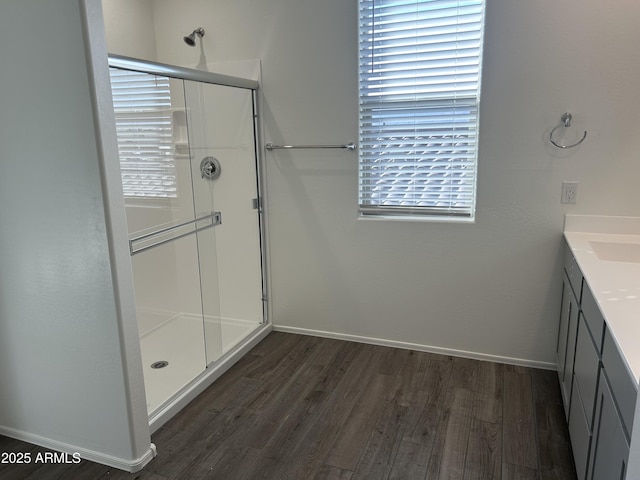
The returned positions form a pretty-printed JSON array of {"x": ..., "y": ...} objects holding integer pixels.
[
  {"x": 204, "y": 380},
  {"x": 416, "y": 346},
  {"x": 90, "y": 455}
]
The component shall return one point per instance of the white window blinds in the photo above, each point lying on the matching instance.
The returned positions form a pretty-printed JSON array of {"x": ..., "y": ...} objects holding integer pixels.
[
  {"x": 420, "y": 63},
  {"x": 142, "y": 104}
]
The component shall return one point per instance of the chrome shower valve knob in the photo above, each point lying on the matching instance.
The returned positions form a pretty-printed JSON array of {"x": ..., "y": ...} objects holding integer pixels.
[{"x": 210, "y": 168}]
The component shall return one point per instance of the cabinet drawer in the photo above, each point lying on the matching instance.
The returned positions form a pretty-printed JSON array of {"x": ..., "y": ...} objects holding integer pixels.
[
  {"x": 587, "y": 364},
  {"x": 579, "y": 432},
  {"x": 622, "y": 385},
  {"x": 593, "y": 316},
  {"x": 573, "y": 272}
]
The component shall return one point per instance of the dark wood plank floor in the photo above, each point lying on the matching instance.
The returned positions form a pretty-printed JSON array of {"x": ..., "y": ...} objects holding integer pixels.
[{"x": 299, "y": 407}]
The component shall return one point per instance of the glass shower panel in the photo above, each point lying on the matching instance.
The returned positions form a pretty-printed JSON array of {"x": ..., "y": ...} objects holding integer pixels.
[
  {"x": 151, "y": 126},
  {"x": 221, "y": 131}
]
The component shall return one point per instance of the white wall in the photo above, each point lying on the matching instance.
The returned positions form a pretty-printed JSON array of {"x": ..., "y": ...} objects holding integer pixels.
[
  {"x": 64, "y": 367},
  {"x": 130, "y": 27},
  {"x": 489, "y": 288}
]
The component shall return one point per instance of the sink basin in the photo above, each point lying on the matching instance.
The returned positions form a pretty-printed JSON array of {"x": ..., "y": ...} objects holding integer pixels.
[{"x": 617, "y": 252}]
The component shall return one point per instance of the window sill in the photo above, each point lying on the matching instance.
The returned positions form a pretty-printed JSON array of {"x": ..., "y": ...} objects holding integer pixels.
[{"x": 417, "y": 218}]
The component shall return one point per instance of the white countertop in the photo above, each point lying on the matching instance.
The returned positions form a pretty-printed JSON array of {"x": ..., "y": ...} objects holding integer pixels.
[{"x": 615, "y": 284}]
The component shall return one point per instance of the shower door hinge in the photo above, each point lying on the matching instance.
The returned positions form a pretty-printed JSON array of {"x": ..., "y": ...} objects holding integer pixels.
[{"x": 257, "y": 204}]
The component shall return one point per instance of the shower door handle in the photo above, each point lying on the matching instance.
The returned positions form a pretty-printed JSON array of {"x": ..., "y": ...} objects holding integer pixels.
[{"x": 174, "y": 232}]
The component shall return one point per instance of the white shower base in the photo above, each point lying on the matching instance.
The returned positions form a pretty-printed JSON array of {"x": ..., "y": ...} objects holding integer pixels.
[{"x": 180, "y": 342}]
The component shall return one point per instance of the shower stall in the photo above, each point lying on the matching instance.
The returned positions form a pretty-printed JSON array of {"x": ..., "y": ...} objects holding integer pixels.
[{"x": 191, "y": 184}]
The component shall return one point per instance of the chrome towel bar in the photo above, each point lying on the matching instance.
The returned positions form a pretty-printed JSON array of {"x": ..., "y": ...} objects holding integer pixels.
[
  {"x": 566, "y": 122},
  {"x": 346, "y": 146}
]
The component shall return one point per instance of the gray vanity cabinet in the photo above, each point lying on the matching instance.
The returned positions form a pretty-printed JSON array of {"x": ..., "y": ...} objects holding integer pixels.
[{"x": 599, "y": 393}]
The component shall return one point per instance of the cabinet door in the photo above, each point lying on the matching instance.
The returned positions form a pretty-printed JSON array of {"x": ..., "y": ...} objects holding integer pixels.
[
  {"x": 565, "y": 310},
  {"x": 586, "y": 366},
  {"x": 610, "y": 449},
  {"x": 567, "y": 342},
  {"x": 579, "y": 432}
]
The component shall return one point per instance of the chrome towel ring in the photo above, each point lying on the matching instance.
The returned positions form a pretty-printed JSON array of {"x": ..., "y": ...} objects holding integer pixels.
[{"x": 566, "y": 122}]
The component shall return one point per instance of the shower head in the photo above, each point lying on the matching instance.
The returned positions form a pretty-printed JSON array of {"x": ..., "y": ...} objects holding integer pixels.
[{"x": 191, "y": 38}]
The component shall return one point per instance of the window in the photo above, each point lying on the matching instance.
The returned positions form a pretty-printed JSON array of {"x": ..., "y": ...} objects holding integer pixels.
[
  {"x": 142, "y": 104},
  {"x": 420, "y": 64}
]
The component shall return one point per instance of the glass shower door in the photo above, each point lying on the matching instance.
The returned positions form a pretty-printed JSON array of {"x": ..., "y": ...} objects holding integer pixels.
[
  {"x": 163, "y": 224},
  {"x": 221, "y": 139},
  {"x": 189, "y": 175}
]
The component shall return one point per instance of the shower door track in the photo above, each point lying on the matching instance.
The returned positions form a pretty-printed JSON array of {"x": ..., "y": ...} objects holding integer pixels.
[{"x": 215, "y": 217}]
